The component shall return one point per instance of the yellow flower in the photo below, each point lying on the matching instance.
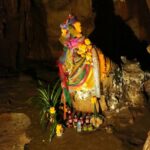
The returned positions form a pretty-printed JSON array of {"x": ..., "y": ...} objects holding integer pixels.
[
  {"x": 88, "y": 56},
  {"x": 52, "y": 110},
  {"x": 79, "y": 35},
  {"x": 89, "y": 47},
  {"x": 96, "y": 121},
  {"x": 87, "y": 41},
  {"x": 82, "y": 55},
  {"x": 63, "y": 32},
  {"x": 88, "y": 62},
  {"x": 82, "y": 48},
  {"x": 93, "y": 100},
  {"x": 77, "y": 26}
]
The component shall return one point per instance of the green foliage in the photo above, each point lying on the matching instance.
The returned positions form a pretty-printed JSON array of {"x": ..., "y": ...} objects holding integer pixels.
[
  {"x": 42, "y": 99},
  {"x": 56, "y": 93},
  {"x": 45, "y": 99},
  {"x": 52, "y": 130}
]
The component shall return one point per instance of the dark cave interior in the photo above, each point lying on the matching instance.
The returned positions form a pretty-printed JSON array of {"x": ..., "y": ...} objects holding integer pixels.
[
  {"x": 115, "y": 37},
  {"x": 25, "y": 37},
  {"x": 30, "y": 50}
]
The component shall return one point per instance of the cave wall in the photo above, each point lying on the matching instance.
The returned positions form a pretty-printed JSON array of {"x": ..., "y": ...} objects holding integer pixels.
[
  {"x": 22, "y": 33},
  {"x": 13, "y": 21},
  {"x": 57, "y": 11},
  {"x": 137, "y": 15},
  {"x": 29, "y": 29},
  {"x": 148, "y": 3}
]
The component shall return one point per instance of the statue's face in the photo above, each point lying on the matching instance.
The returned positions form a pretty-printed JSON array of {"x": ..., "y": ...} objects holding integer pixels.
[
  {"x": 77, "y": 26},
  {"x": 70, "y": 31}
]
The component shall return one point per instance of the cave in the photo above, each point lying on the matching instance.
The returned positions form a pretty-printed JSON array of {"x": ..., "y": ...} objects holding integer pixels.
[{"x": 74, "y": 74}]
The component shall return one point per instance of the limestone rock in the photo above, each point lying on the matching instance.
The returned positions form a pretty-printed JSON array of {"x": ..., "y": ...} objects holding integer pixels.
[
  {"x": 12, "y": 131},
  {"x": 133, "y": 79},
  {"x": 147, "y": 87},
  {"x": 114, "y": 92},
  {"x": 147, "y": 143},
  {"x": 121, "y": 119},
  {"x": 103, "y": 103}
]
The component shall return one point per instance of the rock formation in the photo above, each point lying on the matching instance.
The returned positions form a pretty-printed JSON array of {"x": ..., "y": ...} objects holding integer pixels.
[
  {"x": 147, "y": 143},
  {"x": 13, "y": 131}
]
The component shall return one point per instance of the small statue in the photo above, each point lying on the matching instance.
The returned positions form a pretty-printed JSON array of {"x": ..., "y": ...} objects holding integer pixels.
[
  {"x": 79, "y": 127},
  {"x": 81, "y": 67},
  {"x": 82, "y": 121},
  {"x": 87, "y": 120},
  {"x": 75, "y": 120},
  {"x": 70, "y": 119}
]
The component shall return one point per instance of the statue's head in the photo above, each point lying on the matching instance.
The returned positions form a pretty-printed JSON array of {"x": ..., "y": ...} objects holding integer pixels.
[
  {"x": 73, "y": 40},
  {"x": 71, "y": 28}
]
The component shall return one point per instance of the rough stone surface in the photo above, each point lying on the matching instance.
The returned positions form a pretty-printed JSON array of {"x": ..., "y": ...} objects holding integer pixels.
[
  {"x": 133, "y": 12},
  {"x": 133, "y": 79},
  {"x": 147, "y": 142},
  {"x": 29, "y": 29},
  {"x": 58, "y": 11},
  {"x": 147, "y": 88},
  {"x": 13, "y": 131}
]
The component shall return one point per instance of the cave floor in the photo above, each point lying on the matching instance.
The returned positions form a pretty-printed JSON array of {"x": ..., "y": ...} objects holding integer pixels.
[{"x": 14, "y": 95}]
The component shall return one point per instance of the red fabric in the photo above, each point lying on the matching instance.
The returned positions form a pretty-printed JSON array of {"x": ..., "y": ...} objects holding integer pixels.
[{"x": 62, "y": 76}]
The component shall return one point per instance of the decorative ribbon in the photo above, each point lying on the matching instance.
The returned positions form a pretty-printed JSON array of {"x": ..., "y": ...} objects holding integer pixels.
[{"x": 64, "y": 84}]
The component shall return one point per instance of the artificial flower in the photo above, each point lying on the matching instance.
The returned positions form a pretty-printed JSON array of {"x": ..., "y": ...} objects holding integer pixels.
[
  {"x": 88, "y": 62},
  {"x": 82, "y": 48},
  {"x": 96, "y": 121},
  {"x": 83, "y": 55},
  {"x": 77, "y": 26},
  {"x": 89, "y": 47},
  {"x": 88, "y": 56},
  {"x": 93, "y": 100},
  {"x": 79, "y": 35},
  {"x": 87, "y": 41},
  {"x": 52, "y": 110},
  {"x": 79, "y": 52}
]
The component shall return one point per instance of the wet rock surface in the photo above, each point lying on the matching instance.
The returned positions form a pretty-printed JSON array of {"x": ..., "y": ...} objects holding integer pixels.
[{"x": 13, "y": 131}]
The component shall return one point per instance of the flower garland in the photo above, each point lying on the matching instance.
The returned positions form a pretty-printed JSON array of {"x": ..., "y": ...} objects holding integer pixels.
[{"x": 72, "y": 38}]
